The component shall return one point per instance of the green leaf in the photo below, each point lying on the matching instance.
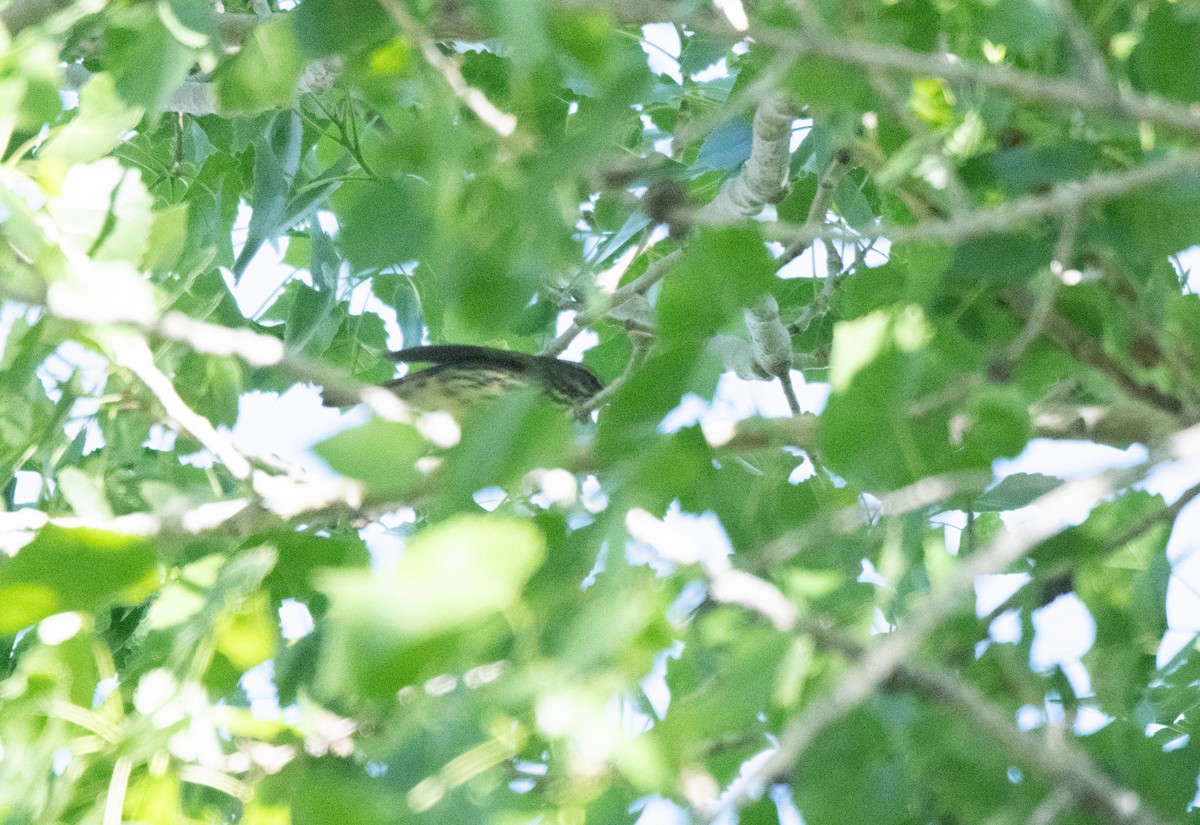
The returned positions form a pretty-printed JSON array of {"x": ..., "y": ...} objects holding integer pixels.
[
  {"x": 722, "y": 272},
  {"x": 102, "y": 121},
  {"x": 633, "y": 415},
  {"x": 1022, "y": 25},
  {"x": 104, "y": 211},
  {"x": 700, "y": 52},
  {"x": 211, "y": 386},
  {"x": 147, "y": 61},
  {"x": 325, "y": 27},
  {"x": 723, "y": 693},
  {"x": 300, "y": 554},
  {"x": 725, "y": 149},
  {"x": 328, "y": 790},
  {"x": 1028, "y": 170},
  {"x": 314, "y": 318},
  {"x": 263, "y": 74},
  {"x": 1166, "y": 61},
  {"x": 1015, "y": 491},
  {"x": 1010, "y": 256},
  {"x": 1158, "y": 220},
  {"x": 168, "y": 243},
  {"x": 358, "y": 347},
  {"x": 385, "y": 223},
  {"x": 442, "y": 595},
  {"x": 398, "y": 292},
  {"x": 381, "y": 454},
  {"x": 190, "y": 21},
  {"x": 73, "y": 569},
  {"x": 276, "y": 161},
  {"x": 878, "y": 368},
  {"x": 503, "y": 440}
]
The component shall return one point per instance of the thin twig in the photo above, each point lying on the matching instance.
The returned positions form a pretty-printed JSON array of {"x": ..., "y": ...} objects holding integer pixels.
[
  {"x": 882, "y": 659},
  {"x": 1082, "y": 346},
  {"x": 132, "y": 352},
  {"x": 640, "y": 350},
  {"x": 1021, "y": 84},
  {"x": 822, "y": 200},
  {"x": 789, "y": 392},
  {"x": 760, "y": 181},
  {"x": 502, "y": 123},
  {"x": 1165, "y": 515},
  {"x": 1069, "y": 767},
  {"x": 1009, "y": 217},
  {"x": 1047, "y": 286},
  {"x": 916, "y": 496}
]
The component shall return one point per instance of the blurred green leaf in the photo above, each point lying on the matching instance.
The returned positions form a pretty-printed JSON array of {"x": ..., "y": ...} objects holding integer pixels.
[
  {"x": 1165, "y": 60},
  {"x": 75, "y": 568},
  {"x": 325, "y": 27},
  {"x": 381, "y": 454},
  {"x": 263, "y": 74},
  {"x": 725, "y": 149},
  {"x": 211, "y": 386},
  {"x": 722, "y": 272},
  {"x": 503, "y": 440},
  {"x": 385, "y": 223},
  {"x": 1015, "y": 491},
  {"x": 102, "y": 121},
  {"x": 276, "y": 161},
  {"x": 104, "y": 211},
  {"x": 146, "y": 60},
  {"x": 386, "y": 629}
]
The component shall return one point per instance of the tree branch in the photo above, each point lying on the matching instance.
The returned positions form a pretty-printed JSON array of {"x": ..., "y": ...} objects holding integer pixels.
[
  {"x": 1009, "y": 217},
  {"x": 1055, "y": 758},
  {"x": 1025, "y": 85},
  {"x": 760, "y": 181},
  {"x": 881, "y": 660}
]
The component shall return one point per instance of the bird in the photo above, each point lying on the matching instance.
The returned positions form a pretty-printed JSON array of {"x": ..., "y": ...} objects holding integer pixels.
[{"x": 464, "y": 376}]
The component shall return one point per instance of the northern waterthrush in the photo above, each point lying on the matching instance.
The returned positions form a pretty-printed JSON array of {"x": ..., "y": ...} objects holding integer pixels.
[{"x": 464, "y": 376}]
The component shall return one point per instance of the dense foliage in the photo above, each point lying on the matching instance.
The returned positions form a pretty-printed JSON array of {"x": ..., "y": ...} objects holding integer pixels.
[{"x": 960, "y": 218}]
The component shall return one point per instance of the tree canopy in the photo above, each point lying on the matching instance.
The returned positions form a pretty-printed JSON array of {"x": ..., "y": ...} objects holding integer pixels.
[{"x": 941, "y": 231}]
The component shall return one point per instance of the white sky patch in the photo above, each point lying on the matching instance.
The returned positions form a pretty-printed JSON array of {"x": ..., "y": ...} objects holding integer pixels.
[
  {"x": 265, "y": 275},
  {"x": 654, "y": 685},
  {"x": 1068, "y": 459},
  {"x": 993, "y": 591},
  {"x": 659, "y": 811},
  {"x": 703, "y": 533},
  {"x": 1189, "y": 261},
  {"x": 1063, "y": 632},
  {"x": 1006, "y": 628},
  {"x": 1183, "y": 594},
  {"x": 259, "y": 684},
  {"x": 713, "y": 72},
  {"x": 663, "y": 47},
  {"x": 1172, "y": 478},
  {"x": 28, "y": 487},
  {"x": 738, "y": 398},
  {"x": 1029, "y": 717},
  {"x": 287, "y": 425},
  {"x": 384, "y": 542},
  {"x": 1185, "y": 537},
  {"x": 582, "y": 342},
  {"x": 295, "y": 620},
  {"x": 1172, "y": 643},
  {"x": 56, "y": 629},
  {"x": 734, "y": 13}
]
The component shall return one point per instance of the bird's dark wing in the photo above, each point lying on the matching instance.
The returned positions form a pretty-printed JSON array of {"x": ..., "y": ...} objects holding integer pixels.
[{"x": 454, "y": 354}]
